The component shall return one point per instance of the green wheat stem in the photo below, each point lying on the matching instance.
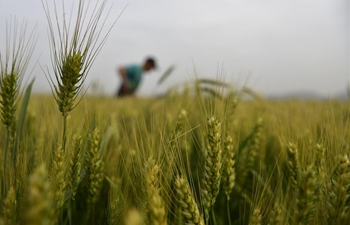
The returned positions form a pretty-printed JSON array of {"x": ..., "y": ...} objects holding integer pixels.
[
  {"x": 13, "y": 64},
  {"x": 72, "y": 53},
  {"x": 213, "y": 215},
  {"x": 228, "y": 212}
]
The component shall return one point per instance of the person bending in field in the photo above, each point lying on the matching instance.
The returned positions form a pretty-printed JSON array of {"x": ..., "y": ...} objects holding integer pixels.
[{"x": 131, "y": 76}]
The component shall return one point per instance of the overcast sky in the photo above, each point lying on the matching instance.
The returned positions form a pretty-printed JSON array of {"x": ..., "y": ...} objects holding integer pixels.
[{"x": 272, "y": 46}]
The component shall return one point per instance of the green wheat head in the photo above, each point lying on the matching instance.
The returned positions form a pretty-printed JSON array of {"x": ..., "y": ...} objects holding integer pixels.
[
  {"x": 306, "y": 197},
  {"x": 13, "y": 65},
  {"x": 189, "y": 208},
  {"x": 40, "y": 198},
  {"x": 8, "y": 102},
  {"x": 75, "y": 165},
  {"x": 156, "y": 207},
  {"x": 72, "y": 54},
  {"x": 95, "y": 167},
  {"x": 338, "y": 191},
  {"x": 212, "y": 167},
  {"x": 228, "y": 171},
  {"x": 68, "y": 87},
  {"x": 9, "y": 211}
]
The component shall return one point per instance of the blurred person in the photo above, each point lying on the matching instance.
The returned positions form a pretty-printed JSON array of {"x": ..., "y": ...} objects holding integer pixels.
[{"x": 131, "y": 76}]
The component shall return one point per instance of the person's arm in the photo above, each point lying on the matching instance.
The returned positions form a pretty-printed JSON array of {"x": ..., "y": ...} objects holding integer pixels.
[{"x": 123, "y": 75}]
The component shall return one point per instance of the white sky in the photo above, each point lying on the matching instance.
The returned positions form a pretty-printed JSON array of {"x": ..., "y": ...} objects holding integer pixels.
[{"x": 272, "y": 46}]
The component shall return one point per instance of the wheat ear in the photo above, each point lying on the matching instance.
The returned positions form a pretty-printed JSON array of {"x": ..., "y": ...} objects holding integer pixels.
[
  {"x": 320, "y": 160},
  {"x": 9, "y": 211},
  {"x": 13, "y": 65},
  {"x": 229, "y": 174},
  {"x": 75, "y": 166},
  {"x": 8, "y": 102},
  {"x": 306, "y": 197},
  {"x": 188, "y": 204},
  {"x": 95, "y": 167},
  {"x": 212, "y": 167},
  {"x": 293, "y": 165},
  {"x": 72, "y": 54},
  {"x": 255, "y": 218},
  {"x": 338, "y": 190},
  {"x": 116, "y": 203},
  {"x": 40, "y": 199},
  {"x": 155, "y": 202},
  {"x": 58, "y": 179},
  {"x": 255, "y": 144},
  {"x": 133, "y": 217},
  {"x": 275, "y": 215}
]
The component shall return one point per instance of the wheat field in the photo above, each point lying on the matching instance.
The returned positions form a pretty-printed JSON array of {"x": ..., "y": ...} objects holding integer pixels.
[
  {"x": 204, "y": 154},
  {"x": 180, "y": 159}
]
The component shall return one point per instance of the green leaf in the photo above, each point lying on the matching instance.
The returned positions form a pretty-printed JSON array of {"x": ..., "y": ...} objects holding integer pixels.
[
  {"x": 211, "y": 91},
  {"x": 214, "y": 82},
  {"x": 21, "y": 119},
  {"x": 166, "y": 74}
]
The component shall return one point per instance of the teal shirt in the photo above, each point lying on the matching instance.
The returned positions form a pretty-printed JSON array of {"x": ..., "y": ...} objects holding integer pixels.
[{"x": 134, "y": 76}]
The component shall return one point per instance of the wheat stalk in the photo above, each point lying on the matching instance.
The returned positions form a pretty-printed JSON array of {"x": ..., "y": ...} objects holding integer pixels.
[
  {"x": 19, "y": 50},
  {"x": 72, "y": 55},
  {"x": 13, "y": 65}
]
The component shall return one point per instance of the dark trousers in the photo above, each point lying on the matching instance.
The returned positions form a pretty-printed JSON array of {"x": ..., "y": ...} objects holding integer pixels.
[{"x": 120, "y": 92}]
